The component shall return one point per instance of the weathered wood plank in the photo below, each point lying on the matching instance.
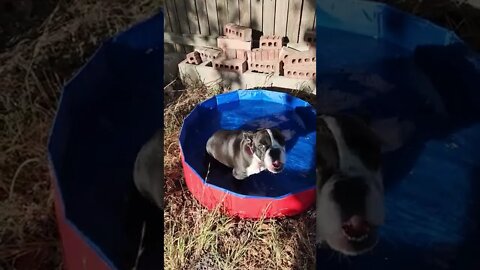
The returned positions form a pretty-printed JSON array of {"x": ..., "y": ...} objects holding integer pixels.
[
  {"x": 212, "y": 17},
  {"x": 167, "y": 27},
  {"x": 281, "y": 14},
  {"x": 174, "y": 21},
  {"x": 256, "y": 14},
  {"x": 202, "y": 17},
  {"x": 269, "y": 17},
  {"x": 233, "y": 12},
  {"x": 244, "y": 7},
  {"x": 190, "y": 39},
  {"x": 182, "y": 16},
  {"x": 314, "y": 26},
  {"x": 222, "y": 12},
  {"x": 192, "y": 16},
  {"x": 293, "y": 26},
  {"x": 308, "y": 16}
]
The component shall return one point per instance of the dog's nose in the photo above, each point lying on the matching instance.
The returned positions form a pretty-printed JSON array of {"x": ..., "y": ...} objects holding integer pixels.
[
  {"x": 277, "y": 164},
  {"x": 356, "y": 226}
]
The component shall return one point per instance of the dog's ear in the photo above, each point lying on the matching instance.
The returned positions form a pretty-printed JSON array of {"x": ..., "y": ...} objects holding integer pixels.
[{"x": 248, "y": 136}]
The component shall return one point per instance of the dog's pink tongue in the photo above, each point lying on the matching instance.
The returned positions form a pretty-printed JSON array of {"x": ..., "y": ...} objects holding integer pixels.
[{"x": 356, "y": 226}]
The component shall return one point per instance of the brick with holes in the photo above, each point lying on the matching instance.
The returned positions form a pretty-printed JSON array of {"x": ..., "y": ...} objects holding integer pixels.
[
  {"x": 235, "y": 31},
  {"x": 305, "y": 72},
  {"x": 300, "y": 58},
  {"x": 266, "y": 67},
  {"x": 194, "y": 58},
  {"x": 208, "y": 53},
  {"x": 271, "y": 42},
  {"x": 285, "y": 52},
  {"x": 235, "y": 65}
]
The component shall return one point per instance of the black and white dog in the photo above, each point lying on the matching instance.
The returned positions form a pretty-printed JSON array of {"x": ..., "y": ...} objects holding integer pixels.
[
  {"x": 350, "y": 194},
  {"x": 248, "y": 152}
]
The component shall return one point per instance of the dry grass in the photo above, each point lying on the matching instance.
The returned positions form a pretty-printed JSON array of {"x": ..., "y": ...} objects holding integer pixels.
[
  {"x": 198, "y": 239},
  {"x": 32, "y": 73}
]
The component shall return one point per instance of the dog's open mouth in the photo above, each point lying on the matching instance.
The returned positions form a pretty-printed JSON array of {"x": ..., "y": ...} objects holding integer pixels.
[
  {"x": 356, "y": 229},
  {"x": 277, "y": 166}
]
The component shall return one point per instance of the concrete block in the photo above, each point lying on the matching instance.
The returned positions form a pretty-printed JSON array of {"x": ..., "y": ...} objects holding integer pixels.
[
  {"x": 236, "y": 65},
  {"x": 225, "y": 43},
  {"x": 301, "y": 47},
  {"x": 235, "y": 31},
  {"x": 208, "y": 53},
  {"x": 194, "y": 58},
  {"x": 212, "y": 77},
  {"x": 272, "y": 42}
]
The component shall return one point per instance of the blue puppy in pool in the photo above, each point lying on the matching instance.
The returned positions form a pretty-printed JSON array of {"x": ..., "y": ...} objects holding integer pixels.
[{"x": 248, "y": 152}]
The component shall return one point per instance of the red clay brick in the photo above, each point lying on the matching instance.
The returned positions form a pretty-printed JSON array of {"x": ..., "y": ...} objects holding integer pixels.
[
  {"x": 272, "y": 42},
  {"x": 194, "y": 58},
  {"x": 236, "y": 65},
  {"x": 242, "y": 54},
  {"x": 300, "y": 72},
  {"x": 235, "y": 31},
  {"x": 208, "y": 54},
  {"x": 286, "y": 51},
  {"x": 301, "y": 58},
  {"x": 265, "y": 66},
  {"x": 259, "y": 54},
  {"x": 231, "y": 53},
  {"x": 225, "y": 43}
]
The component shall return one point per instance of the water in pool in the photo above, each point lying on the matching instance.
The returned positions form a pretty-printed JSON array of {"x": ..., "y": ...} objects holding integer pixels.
[{"x": 299, "y": 171}]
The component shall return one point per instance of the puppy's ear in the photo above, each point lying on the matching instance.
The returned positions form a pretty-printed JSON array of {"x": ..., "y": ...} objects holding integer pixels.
[{"x": 248, "y": 136}]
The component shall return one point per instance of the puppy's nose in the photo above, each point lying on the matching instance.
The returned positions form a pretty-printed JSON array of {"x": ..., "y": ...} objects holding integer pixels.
[
  {"x": 276, "y": 164},
  {"x": 356, "y": 226}
]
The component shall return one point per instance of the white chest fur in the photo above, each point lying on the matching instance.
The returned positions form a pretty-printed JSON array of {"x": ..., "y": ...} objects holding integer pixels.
[{"x": 256, "y": 166}]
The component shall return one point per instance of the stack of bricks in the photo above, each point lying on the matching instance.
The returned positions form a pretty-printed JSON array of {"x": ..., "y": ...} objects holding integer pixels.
[
  {"x": 266, "y": 59},
  {"x": 235, "y": 44},
  {"x": 299, "y": 65},
  {"x": 235, "y": 53}
]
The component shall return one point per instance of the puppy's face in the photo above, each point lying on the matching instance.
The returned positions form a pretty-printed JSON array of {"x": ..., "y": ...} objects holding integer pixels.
[
  {"x": 269, "y": 146},
  {"x": 350, "y": 212},
  {"x": 350, "y": 205}
]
